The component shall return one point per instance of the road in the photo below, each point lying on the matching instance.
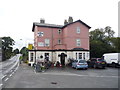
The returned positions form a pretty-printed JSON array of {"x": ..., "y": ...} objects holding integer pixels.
[
  {"x": 8, "y": 68},
  {"x": 25, "y": 77}
]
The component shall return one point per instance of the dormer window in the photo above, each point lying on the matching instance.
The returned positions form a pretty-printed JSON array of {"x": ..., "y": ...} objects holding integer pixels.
[
  {"x": 78, "y": 29},
  {"x": 59, "y": 31}
]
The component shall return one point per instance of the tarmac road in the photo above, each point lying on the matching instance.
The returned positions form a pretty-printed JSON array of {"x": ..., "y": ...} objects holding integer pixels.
[{"x": 25, "y": 77}]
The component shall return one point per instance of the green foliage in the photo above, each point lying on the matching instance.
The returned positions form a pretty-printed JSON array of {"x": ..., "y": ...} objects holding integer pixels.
[
  {"x": 102, "y": 41},
  {"x": 7, "y": 43},
  {"x": 24, "y": 52},
  {"x": 16, "y": 51}
]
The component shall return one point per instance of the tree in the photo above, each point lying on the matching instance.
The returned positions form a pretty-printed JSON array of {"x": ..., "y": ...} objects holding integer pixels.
[
  {"x": 115, "y": 43},
  {"x": 24, "y": 52},
  {"x": 100, "y": 42},
  {"x": 7, "y": 43},
  {"x": 16, "y": 51}
]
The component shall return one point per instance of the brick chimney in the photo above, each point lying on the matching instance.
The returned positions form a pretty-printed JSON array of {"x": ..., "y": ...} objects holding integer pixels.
[{"x": 42, "y": 20}]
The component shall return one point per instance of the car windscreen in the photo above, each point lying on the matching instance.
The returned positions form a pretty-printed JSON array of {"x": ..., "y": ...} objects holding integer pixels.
[{"x": 82, "y": 61}]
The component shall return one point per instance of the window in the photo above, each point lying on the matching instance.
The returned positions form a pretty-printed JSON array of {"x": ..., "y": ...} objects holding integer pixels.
[
  {"x": 76, "y": 55},
  {"x": 59, "y": 41},
  {"x": 59, "y": 31},
  {"x": 40, "y": 34},
  {"x": 78, "y": 29},
  {"x": 41, "y": 44},
  {"x": 83, "y": 55},
  {"x": 47, "y": 42},
  {"x": 78, "y": 42},
  {"x": 80, "y": 55},
  {"x": 31, "y": 60}
]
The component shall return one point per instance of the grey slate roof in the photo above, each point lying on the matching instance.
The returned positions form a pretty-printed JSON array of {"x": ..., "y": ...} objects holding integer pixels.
[{"x": 56, "y": 26}]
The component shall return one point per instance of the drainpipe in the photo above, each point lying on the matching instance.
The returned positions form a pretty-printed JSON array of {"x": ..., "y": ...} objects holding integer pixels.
[{"x": 52, "y": 45}]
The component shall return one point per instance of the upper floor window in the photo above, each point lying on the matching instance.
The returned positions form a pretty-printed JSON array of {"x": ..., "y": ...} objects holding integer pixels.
[
  {"x": 78, "y": 42},
  {"x": 40, "y": 34},
  {"x": 47, "y": 42},
  {"x": 78, "y": 29},
  {"x": 59, "y": 31},
  {"x": 59, "y": 41},
  {"x": 40, "y": 44}
]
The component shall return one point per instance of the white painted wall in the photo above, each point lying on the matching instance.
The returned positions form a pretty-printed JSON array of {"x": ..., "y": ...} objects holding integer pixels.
[{"x": 54, "y": 57}]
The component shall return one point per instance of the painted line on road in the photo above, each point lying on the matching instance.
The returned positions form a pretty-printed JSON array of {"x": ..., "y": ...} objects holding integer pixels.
[
  {"x": 6, "y": 79},
  {"x": 4, "y": 76},
  {"x": 1, "y": 85},
  {"x": 69, "y": 74},
  {"x": 11, "y": 75}
]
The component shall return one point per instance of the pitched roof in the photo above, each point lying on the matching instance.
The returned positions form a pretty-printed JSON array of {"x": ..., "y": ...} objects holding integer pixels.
[
  {"x": 75, "y": 22},
  {"x": 56, "y": 26},
  {"x": 46, "y": 25}
]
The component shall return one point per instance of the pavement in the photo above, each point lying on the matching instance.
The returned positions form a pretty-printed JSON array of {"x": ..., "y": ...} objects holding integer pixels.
[{"x": 26, "y": 77}]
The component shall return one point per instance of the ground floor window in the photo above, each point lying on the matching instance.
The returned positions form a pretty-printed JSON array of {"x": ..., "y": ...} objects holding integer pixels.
[
  {"x": 83, "y": 55},
  {"x": 31, "y": 57},
  {"x": 80, "y": 55}
]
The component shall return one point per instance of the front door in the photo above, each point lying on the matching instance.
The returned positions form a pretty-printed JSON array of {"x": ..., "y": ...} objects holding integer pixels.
[{"x": 62, "y": 58}]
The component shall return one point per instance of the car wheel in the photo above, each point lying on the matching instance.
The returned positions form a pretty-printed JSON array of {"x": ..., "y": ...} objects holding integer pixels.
[{"x": 86, "y": 68}]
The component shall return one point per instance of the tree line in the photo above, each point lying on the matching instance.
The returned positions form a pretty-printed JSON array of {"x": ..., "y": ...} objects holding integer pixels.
[
  {"x": 8, "y": 52},
  {"x": 102, "y": 41}
]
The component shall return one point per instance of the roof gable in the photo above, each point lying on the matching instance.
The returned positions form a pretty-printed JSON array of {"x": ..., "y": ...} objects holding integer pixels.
[{"x": 75, "y": 22}]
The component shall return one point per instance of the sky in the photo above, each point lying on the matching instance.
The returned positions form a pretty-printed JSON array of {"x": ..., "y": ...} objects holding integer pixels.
[{"x": 17, "y": 16}]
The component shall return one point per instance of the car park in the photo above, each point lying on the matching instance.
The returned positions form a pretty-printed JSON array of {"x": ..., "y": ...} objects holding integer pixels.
[
  {"x": 80, "y": 64},
  {"x": 96, "y": 63}
]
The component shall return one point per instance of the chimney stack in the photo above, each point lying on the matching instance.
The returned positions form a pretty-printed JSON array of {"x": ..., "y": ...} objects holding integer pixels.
[
  {"x": 65, "y": 22},
  {"x": 70, "y": 20},
  {"x": 42, "y": 20}
]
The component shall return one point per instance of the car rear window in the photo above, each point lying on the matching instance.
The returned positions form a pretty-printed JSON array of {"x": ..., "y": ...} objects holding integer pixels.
[{"x": 82, "y": 61}]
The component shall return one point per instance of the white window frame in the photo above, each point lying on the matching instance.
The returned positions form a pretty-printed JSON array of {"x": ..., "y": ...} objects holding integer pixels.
[
  {"x": 41, "y": 44},
  {"x": 31, "y": 57},
  {"x": 41, "y": 34},
  {"x": 78, "y": 42},
  {"x": 59, "y": 31},
  {"x": 80, "y": 55},
  {"x": 77, "y": 29},
  {"x": 47, "y": 42}
]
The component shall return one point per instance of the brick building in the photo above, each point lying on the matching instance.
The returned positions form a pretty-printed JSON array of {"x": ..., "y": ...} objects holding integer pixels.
[{"x": 70, "y": 40}]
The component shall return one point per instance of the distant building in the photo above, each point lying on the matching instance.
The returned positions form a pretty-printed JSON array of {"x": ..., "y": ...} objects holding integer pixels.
[{"x": 70, "y": 40}]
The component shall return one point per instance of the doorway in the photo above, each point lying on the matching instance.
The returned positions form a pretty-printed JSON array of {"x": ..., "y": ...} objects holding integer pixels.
[{"x": 62, "y": 58}]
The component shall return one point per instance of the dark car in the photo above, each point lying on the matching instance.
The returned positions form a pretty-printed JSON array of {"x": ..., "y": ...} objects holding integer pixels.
[{"x": 96, "y": 63}]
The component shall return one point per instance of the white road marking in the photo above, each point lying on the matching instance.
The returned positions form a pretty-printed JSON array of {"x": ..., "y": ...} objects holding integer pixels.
[
  {"x": 4, "y": 76},
  {"x": 13, "y": 72},
  {"x": 1, "y": 85},
  {"x": 10, "y": 75},
  {"x": 70, "y": 74},
  {"x": 6, "y": 79}
]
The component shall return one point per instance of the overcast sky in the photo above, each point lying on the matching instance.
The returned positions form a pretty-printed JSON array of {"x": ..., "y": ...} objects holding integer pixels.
[{"x": 17, "y": 16}]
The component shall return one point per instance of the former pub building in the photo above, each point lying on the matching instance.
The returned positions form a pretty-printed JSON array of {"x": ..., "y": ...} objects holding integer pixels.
[{"x": 60, "y": 42}]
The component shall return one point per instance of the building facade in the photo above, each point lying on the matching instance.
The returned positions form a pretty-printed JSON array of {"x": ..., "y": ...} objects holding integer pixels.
[{"x": 60, "y": 42}]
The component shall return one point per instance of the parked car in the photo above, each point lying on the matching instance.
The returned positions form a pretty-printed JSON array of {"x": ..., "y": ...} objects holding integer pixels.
[
  {"x": 97, "y": 63},
  {"x": 80, "y": 64}
]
